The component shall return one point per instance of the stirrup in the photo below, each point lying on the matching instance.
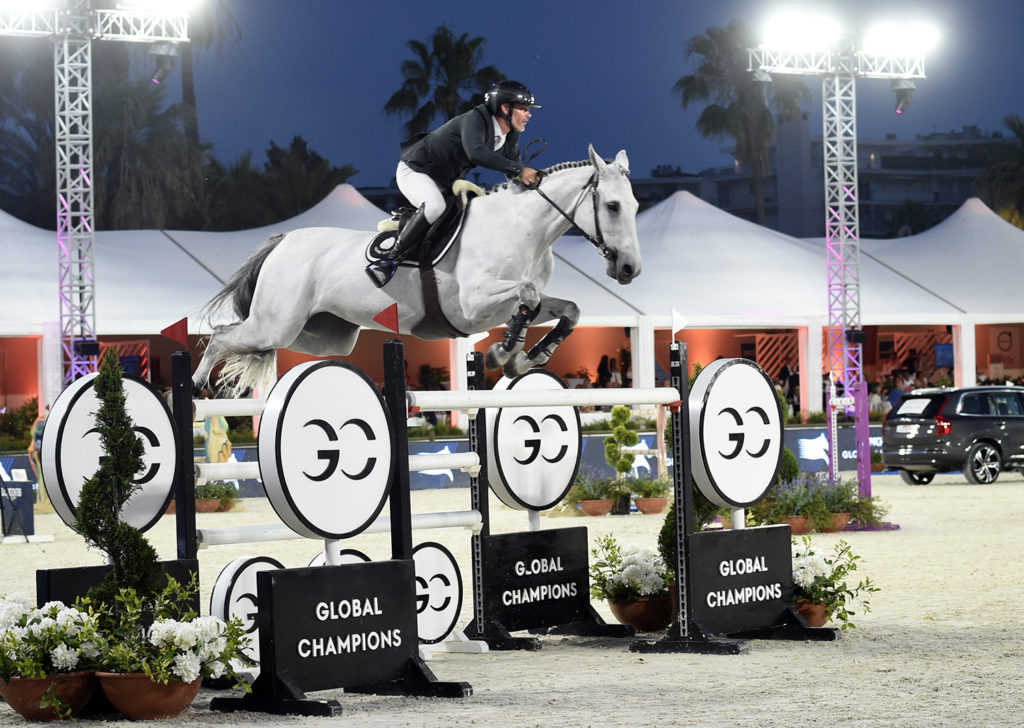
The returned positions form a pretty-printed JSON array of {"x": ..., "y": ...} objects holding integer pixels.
[{"x": 381, "y": 271}]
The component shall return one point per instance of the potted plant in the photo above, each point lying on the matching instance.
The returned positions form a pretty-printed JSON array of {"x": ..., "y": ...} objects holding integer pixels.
[
  {"x": 215, "y": 496},
  {"x": 136, "y": 594},
  {"x": 618, "y": 457},
  {"x": 651, "y": 494},
  {"x": 821, "y": 587},
  {"x": 591, "y": 492},
  {"x": 46, "y": 657},
  {"x": 634, "y": 581},
  {"x": 156, "y": 650}
]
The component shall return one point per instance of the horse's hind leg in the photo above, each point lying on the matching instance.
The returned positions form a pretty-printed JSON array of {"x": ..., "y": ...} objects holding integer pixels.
[{"x": 568, "y": 314}]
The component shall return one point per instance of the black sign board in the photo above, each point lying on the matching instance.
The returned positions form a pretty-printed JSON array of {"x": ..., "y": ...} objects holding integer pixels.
[
  {"x": 536, "y": 579},
  {"x": 741, "y": 579},
  {"x": 338, "y": 626},
  {"x": 68, "y": 583},
  {"x": 16, "y": 503}
]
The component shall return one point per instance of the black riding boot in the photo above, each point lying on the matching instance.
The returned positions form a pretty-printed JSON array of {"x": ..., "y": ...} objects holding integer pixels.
[{"x": 382, "y": 270}]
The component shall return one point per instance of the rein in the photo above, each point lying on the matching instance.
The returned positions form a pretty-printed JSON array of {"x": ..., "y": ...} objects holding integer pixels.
[{"x": 597, "y": 240}]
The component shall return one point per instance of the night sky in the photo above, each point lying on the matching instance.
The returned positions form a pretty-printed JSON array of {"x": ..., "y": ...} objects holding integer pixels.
[{"x": 603, "y": 71}]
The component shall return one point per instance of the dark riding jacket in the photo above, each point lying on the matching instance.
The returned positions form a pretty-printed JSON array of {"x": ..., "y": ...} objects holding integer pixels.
[{"x": 449, "y": 152}]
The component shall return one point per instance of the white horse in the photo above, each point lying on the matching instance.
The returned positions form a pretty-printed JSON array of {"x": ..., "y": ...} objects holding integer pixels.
[{"x": 307, "y": 290}]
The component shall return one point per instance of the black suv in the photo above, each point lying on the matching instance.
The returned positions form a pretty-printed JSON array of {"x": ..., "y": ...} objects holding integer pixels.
[{"x": 979, "y": 430}]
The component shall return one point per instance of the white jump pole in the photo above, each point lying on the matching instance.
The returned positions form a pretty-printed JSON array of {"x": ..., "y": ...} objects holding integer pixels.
[{"x": 468, "y": 401}]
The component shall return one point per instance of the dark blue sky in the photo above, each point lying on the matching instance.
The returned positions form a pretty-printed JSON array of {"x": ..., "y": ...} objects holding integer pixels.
[{"x": 602, "y": 69}]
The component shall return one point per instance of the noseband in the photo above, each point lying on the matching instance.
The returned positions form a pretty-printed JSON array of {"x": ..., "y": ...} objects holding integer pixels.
[{"x": 597, "y": 239}]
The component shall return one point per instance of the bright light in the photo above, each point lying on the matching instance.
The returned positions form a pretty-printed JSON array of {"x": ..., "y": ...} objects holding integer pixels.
[
  {"x": 27, "y": 6},
  {"x": 900, "y": 39},
  {"x": 163, "y": 8},
  {"x": 795, "y": 30}
]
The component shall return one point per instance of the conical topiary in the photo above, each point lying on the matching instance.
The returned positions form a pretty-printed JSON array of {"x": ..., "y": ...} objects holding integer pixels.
[{"x": 133, "y": 560}]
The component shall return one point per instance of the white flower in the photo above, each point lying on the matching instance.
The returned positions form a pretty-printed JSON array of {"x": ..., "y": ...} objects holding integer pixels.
[
  {"x": 186, "y": 666},
  {"x": 64, "y": 658},
  {"x": 216, "y": 668}
]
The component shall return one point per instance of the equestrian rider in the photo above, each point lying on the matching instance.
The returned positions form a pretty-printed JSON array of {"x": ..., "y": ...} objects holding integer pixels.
[{"x": 485, "y": 136}]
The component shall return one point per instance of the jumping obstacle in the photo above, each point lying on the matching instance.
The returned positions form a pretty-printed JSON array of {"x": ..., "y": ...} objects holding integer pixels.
[{"x": 307, "y": 637}]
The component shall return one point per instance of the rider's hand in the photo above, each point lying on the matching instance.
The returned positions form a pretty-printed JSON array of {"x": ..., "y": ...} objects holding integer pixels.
[{"x": 529, "y": 177}]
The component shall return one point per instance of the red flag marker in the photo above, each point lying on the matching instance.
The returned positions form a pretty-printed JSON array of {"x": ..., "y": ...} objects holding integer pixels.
[
  {"x": 178, "y": 331},
  {"x": 388, "y": 318}
]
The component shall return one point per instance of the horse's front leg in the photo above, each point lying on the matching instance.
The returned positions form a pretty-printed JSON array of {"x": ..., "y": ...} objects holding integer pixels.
[
  {"x": 527, "y": 304},
  {"x": 568, "y": 315}
]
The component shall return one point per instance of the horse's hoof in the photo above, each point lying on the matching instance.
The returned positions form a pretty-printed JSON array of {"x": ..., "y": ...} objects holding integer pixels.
[
  {"x": 519, "y": 364},
  {"x": 496, "y": 356}
]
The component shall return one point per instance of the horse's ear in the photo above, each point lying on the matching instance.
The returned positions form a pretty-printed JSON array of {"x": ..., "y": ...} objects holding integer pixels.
[
  {"x": 596, "y": 160},
  {"x": 622, "y": 161}
]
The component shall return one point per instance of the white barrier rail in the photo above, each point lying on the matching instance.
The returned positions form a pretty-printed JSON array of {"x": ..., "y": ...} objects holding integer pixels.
[
  {"x": 467, "y": 461},
  {"x": 436, "y": 401},
  {"x": 280, "y": 532},
  {"x": 203, "y": 408},
  {"x": 205, "y": 472},
  {"x": 250, "y": 470}
]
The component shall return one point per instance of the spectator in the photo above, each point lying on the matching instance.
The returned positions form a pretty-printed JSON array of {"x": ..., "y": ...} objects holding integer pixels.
[
  {"x": 615, "y": 376},
  {"x": 603, "y": 372}
]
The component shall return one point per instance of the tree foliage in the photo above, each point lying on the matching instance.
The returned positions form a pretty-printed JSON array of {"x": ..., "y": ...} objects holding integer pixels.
[
  {"x": 1001, "y": 186},
  {"x": 740, "y": 106},
  {"x": 149, "y": 171},
  {"x": 444, "y": 78}
]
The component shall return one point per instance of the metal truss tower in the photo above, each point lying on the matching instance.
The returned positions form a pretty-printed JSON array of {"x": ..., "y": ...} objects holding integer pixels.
[
  {"x": 72, "y": 25},
  {"x": 839, "y": 69}
]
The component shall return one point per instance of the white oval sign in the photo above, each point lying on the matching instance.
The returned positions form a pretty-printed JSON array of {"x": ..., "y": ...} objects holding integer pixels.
[
  {"x": 736, "y": 432},
  {"x": 341, "y": 556},
  {"x": 438, "y": 592},
  {"x": 325, "y": 447},
  {"x": 234, "y": 595},
  {"x": 72, "y": 449},
  {"x": 533, "y": 452}
]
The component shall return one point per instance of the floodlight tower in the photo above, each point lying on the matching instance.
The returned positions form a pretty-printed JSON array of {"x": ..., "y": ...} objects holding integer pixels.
[
  {"x": 72, "y": 25},
  {"x": 809, "y": 45}
]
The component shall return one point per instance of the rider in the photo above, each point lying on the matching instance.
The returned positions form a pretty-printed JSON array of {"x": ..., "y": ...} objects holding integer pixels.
[{"x": 485, "y": 136}]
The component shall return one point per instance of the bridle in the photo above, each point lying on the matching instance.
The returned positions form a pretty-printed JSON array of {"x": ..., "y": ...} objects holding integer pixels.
[{"x": 597, "y": 239}]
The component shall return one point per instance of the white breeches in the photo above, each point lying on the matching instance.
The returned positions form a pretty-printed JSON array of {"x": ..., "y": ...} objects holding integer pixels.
[{"x": 420, "y": 189}]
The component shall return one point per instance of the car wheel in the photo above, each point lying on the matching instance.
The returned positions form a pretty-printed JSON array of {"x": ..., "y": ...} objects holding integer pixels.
[
  {"x": 916, "y": 477},
  {"x": 983, "y": 463}
]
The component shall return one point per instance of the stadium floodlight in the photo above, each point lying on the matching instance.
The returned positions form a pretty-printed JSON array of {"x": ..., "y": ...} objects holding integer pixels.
[
  {"x": 911, "y": 38},
  {"x": 796, "y": 30},
  {"x": 158, "y": 7},
  {"x": 904, "y": 89},
  {"x": 164, "y": 53},
  {"x": 811, "y": 44}
]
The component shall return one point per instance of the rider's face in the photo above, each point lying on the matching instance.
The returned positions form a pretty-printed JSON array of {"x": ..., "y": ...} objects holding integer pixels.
[{"x": 520, "y": 115}]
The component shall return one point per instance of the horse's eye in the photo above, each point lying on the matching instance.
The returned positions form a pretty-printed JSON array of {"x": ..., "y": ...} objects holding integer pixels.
[{"x": 613, "y": 207}]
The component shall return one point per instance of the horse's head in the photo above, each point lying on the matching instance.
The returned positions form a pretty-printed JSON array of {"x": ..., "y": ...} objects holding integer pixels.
[{"x": 615, "y": 216}]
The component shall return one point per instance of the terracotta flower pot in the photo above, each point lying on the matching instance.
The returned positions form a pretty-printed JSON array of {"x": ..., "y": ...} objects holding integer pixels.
[
  {"x": 596, "y": 507},
  {"x": 839, "y": 521},
  {"x": 25, "y": 694},
  {"x": 650, "y": 614},
  {"x": 207, "y": 506},
  {"x": 813, "y": 612},
  {"x": 139, "y": 698},
  {"x": 798, "y": 524},
  {"x": 651, "y": 505}
]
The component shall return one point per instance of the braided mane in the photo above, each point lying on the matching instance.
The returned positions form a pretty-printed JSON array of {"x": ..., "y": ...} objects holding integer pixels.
[{"x": 550, "y": 170}]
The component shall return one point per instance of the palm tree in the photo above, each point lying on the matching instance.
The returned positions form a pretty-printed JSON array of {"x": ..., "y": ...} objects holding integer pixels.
[
  {"x": 739, "y": 105},
  {"x": 27, "y": 174},
  {"x": 1001, "y": 186},
  {"x": 209, "y": 24},
  {"x": 444, "y": 77}
]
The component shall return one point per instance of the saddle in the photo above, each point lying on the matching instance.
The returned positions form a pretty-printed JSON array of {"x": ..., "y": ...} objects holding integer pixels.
[
  {"x": 435, "y": 245},
  {"x": 438, "y": 239}
]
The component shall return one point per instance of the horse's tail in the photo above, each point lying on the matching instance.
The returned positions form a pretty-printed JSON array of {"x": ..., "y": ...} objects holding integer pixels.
[
  {"x": 245, "y": 372},
  {"x": 240, "y": 288}
]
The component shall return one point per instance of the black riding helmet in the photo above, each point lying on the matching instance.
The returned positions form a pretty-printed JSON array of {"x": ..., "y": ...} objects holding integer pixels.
[{"x": 508, "y": 92}]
